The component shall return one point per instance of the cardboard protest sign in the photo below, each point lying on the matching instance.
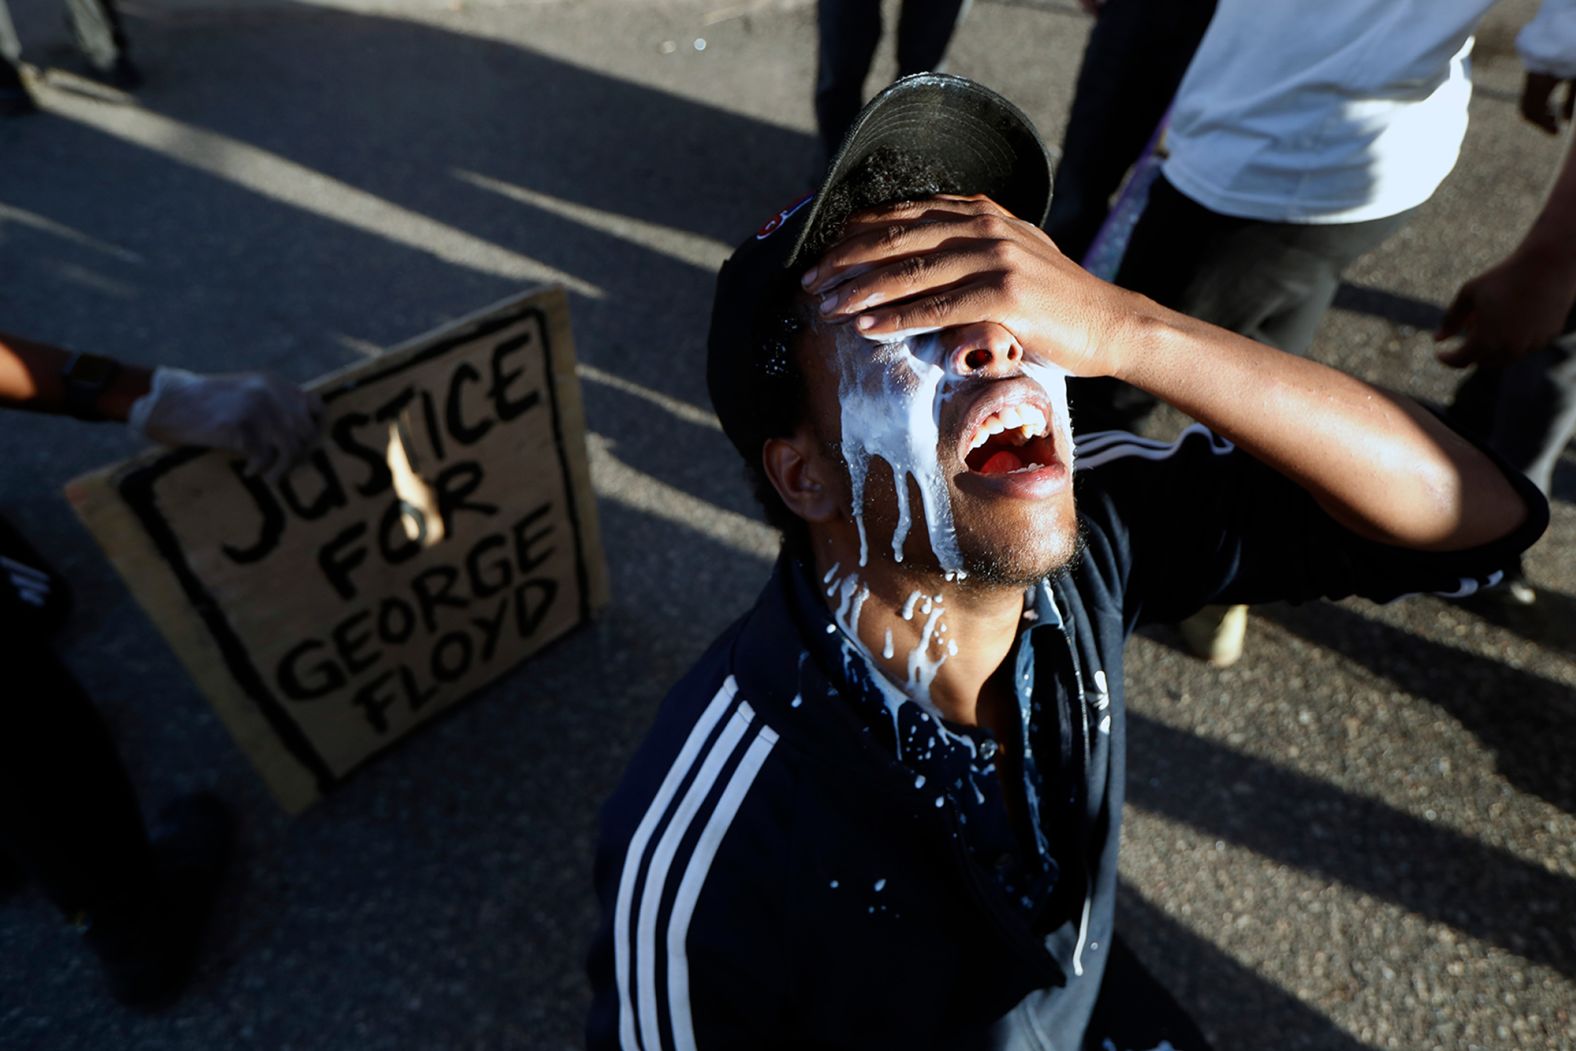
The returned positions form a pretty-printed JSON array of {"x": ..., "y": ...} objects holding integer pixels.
[{"x": 444, "y": 530}]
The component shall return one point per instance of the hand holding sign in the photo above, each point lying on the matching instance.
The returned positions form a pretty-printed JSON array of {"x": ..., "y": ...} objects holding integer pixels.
[
  {"x": 443, "y": 531},
  {"x": 261, "y": 417}
]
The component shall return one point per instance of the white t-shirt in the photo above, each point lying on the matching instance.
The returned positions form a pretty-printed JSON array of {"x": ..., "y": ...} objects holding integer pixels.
[{"x": 1337, "y": 111}]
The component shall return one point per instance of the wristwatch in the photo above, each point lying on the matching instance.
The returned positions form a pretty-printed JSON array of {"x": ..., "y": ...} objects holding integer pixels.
[{"x": 87, "y": 376}]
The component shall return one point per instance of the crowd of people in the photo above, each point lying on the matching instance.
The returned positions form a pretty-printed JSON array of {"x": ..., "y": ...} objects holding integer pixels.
[{"x": 884, "y": 810}]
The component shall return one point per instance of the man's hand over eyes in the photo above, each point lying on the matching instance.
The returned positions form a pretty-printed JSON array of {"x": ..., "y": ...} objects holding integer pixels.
[{"x": 952, "y": 261}]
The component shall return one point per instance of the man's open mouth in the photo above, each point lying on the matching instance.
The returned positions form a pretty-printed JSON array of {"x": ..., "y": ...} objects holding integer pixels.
[{"x": 1013, "y": 438}]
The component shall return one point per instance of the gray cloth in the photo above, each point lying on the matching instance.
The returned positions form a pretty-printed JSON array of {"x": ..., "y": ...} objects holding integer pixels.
[{"x": 1271, "y": 282}]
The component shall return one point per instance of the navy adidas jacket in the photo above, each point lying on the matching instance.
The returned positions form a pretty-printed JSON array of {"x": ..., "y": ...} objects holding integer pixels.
[{"x": 770, "y": 877}]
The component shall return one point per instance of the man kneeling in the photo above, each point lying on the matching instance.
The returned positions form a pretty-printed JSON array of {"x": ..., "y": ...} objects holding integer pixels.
[{"x": 883, "y": 810}]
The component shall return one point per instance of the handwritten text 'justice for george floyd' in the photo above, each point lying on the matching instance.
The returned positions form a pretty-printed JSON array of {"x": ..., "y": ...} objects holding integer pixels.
[{"x": 449, "y": 616}]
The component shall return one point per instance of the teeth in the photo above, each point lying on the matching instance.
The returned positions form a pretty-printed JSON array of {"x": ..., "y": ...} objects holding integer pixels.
[
  {"x": 989, "y": 426},
  {"x": 1027, "y": 420}
]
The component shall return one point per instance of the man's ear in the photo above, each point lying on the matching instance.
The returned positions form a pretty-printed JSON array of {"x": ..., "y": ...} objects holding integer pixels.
[{"x": 801, "y": 476}]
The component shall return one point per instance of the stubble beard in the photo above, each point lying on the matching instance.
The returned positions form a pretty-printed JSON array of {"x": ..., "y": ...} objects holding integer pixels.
[{"x": 994, "y": 564}]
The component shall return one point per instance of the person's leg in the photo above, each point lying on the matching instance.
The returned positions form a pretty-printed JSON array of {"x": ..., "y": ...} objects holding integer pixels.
[
  {"x": 102, "y": 40},
  {"x": 69, "y": 819},
  {"x": 1132, "y": 65},
  {"x": 1299, "y": 266},
  {"x": 14, "y": 99},
  {"x": 68, "y": 813},
  {"x": 924, "y": 30},
  {"x": 10, "y": 43},
  {"x": 1272, "y": 282},
  {"x": 849, "y": 31}
]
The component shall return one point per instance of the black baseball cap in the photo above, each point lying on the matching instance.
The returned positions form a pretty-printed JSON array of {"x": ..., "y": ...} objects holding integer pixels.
[{"x": 962, "y": 136}]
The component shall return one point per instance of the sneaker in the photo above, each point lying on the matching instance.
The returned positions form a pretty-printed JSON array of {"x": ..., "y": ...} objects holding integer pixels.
[
  {"x": 1216, "y": 634},
  {"x": 149, "y": 956},
  {"x": 1519, "y": 590},
  {"x": 1511, "y": 595}
]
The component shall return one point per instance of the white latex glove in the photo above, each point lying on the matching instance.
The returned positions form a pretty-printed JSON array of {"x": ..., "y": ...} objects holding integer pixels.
[{"x": 270, "y": 422}]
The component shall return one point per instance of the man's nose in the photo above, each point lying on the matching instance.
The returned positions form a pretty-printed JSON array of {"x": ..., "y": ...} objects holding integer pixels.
[{"x": 983, "y": 351}]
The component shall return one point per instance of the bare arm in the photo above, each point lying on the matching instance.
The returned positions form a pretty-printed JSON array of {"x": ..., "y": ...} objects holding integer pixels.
[
  {"x": 1378, "y": 463},
  {"x": 1375, "y": 461},
  {"x": 252, "y": 414},
  {"x": 32, "y": 377}
]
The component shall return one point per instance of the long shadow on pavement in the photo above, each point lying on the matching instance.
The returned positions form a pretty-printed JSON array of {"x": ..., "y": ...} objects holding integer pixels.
[
  {"x": 441, "y": 898},
  {"x": 1365, "y": 844},
  {"x": 1233, "y": 1006},
  {"x": 1528, "y": 721}
]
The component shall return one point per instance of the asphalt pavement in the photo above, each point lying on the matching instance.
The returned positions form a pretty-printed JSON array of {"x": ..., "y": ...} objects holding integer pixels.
[{"x": 1362, "y": 836}]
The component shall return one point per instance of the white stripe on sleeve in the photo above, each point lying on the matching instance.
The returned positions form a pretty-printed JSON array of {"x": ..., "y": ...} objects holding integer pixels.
[
  {"x": 1145, "y": 449},
  {"x": 695, "y": 878},
  {"x": 646, "y": 936},
  {"x": 634, "y": 857}
]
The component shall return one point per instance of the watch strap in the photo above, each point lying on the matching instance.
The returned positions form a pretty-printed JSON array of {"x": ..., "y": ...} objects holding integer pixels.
[{"x": 86, "y": 377}]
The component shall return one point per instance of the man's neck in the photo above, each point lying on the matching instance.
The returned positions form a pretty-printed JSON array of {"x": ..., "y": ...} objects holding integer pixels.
[{"x": 939, "y": 641}]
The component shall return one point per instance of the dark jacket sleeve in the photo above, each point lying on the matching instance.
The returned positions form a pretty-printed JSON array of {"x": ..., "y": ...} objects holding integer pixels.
[
  {"x": 1199, "y": 521},
  {"x": 692, "y": 947}
]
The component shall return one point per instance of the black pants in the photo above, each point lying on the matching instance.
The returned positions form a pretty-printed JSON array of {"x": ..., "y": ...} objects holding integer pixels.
[
  {"x": 1272, "y": 282},
  {"x": 849, "y": 33},
  {"x": 1135, "y": 58},
  {"x": 97, "y": 28},
  {"x": 68, "y": 815}
]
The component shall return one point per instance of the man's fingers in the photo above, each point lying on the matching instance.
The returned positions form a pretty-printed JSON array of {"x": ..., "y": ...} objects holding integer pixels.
[
  {"x": 880, "y": 242},
  {"x": 908, "y": 211},
  {"x": 886, "y": 242},
  {"x": 898, "y": 280},
  {"x": 933, "y": 210},
  {"x": 1459, "y": 356},
  {"x": 958, "y": 306}
]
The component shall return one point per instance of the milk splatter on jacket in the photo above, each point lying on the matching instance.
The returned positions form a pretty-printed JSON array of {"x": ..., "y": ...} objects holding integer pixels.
[{"x": 778, "y": 871}]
